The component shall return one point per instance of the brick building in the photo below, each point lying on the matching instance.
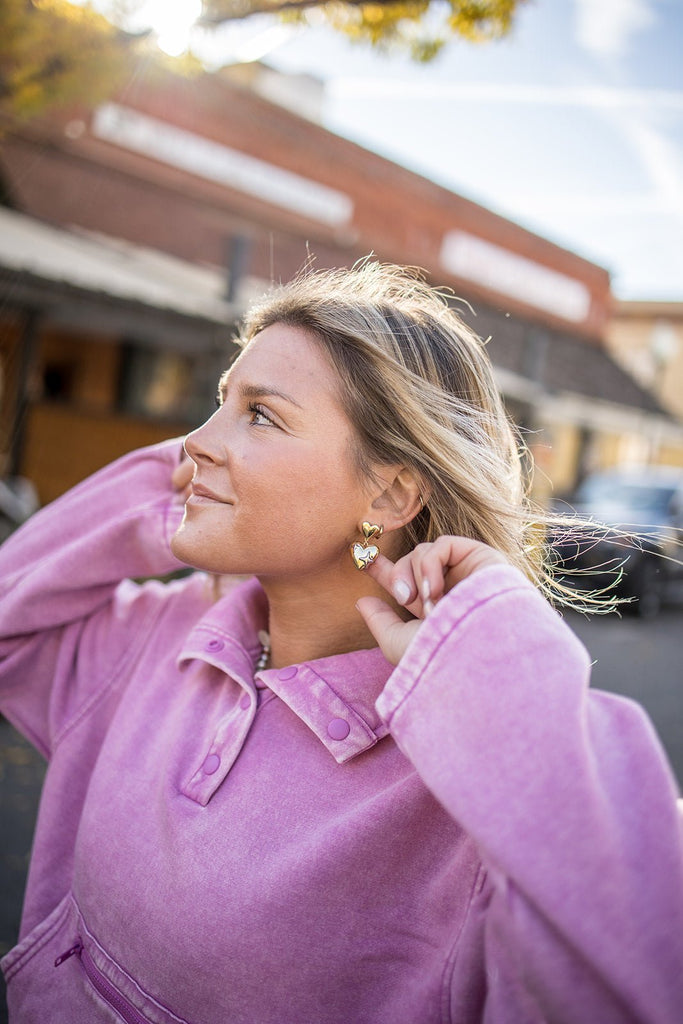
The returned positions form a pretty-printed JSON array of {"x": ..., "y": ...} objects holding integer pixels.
[
  {"x": 646, "y": 338},
  {"x": 134, "y": 234}
]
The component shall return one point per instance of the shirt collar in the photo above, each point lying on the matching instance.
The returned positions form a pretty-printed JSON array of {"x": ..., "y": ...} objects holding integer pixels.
[{"x": 335, "y": 697}]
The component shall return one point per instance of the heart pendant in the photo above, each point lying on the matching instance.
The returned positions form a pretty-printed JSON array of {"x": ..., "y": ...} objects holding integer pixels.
[
  {"x": 371, "y": 530},
  {"x": 364, "y": 555}
]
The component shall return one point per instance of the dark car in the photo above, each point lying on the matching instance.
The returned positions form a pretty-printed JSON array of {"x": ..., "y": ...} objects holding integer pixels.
[
  {"x": 18, "y": 501},
  {"x": 643, "y": 545}
]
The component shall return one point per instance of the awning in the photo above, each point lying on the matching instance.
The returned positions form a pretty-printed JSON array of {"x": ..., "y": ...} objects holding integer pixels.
[
  {"x": 105, "y": 282},
  {"x": 562, "y": 376}
]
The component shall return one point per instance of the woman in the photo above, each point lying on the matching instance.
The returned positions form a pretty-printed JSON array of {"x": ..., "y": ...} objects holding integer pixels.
[{"x": 253, "y": 813}]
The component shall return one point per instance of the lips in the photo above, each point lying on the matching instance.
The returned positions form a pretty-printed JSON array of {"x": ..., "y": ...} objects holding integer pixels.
[{"x": 201, "y": 494}]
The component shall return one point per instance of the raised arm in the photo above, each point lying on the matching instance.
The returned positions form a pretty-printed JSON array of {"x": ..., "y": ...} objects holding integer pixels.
[
  {"x": 569, "y": 798},
  {"x": 60, "y": 572}
]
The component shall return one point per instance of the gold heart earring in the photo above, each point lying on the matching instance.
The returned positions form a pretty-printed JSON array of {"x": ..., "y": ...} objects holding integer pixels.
[{"x": 365, "y": 554}]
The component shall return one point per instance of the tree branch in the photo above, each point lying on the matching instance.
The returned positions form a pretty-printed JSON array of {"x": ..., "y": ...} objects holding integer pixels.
[{"x": 215, "y": 13}]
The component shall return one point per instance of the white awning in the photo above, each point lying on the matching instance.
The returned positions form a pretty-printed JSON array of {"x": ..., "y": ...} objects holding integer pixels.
[{"x": 98, "y": 264}]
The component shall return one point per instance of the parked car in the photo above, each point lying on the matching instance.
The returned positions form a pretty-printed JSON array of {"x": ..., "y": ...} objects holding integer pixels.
[
  {"x": 647, "y": 505},
  {"x": 18, "y": 501}
]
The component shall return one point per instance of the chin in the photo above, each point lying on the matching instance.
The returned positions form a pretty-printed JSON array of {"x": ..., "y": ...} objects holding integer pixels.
[
  {"x": 200, "y": 553},
  {"x": 191, "y": 553}
]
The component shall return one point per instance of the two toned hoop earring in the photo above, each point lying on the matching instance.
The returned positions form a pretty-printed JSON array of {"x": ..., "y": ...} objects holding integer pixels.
[{"x": 365, "y": 554}]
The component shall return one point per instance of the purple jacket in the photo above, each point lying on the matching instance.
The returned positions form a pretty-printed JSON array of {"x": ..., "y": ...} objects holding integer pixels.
[{"x": 472, "y": 837}]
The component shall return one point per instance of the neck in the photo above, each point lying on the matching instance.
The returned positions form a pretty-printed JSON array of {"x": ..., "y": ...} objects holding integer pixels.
[{"x": 315, "y": 617}]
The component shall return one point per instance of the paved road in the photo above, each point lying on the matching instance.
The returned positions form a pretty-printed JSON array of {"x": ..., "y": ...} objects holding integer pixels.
[{"x": 643, "y": 660}]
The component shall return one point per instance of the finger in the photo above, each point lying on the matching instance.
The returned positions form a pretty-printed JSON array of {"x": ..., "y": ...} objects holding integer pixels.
[
  {"x": 391, "y": 633},
  {"x": 467, "y": 557},
  {"x": 397, "y": 579},
  {"x": 449, "y": 560},
  {"x": 437, "y": 566},
  {"x": 182, "y": 474},
  {"x": 424, "y": 586},
  {"x": 406, "y": 587},
  {"x": 433, "y": 562}
]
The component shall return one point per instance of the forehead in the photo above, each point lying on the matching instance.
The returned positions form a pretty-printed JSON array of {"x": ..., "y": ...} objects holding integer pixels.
[{"x": 282, "y": 354}]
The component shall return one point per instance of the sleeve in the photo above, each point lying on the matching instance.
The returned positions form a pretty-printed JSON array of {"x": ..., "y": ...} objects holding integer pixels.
[
  {"x": 64, "y": 613},
  {"x": 569, "y": 798}
]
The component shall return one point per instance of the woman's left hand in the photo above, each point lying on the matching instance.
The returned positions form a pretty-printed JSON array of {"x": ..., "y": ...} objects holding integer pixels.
[
  {"x": 417, "y": 581},
  {"x": 181, "y": 478}
]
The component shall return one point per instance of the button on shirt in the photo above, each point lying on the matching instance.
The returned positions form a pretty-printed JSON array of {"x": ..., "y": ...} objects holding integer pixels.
[{"x": 335, "y": 697}]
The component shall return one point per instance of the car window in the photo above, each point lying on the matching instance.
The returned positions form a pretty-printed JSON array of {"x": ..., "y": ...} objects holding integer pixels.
[{"x": 606, "y": 490}]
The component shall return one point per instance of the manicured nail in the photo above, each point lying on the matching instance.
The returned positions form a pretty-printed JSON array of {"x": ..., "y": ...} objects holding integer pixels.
[
  {"x": 426, "y": 590},
  {"x": 401, "y": 591},
  {"x": 428, "y": 606}
]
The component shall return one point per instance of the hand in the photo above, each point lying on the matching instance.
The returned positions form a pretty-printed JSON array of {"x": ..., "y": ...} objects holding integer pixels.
[
  {"x": 182, "y": 478},
  {"x": 417, "y": 581}
]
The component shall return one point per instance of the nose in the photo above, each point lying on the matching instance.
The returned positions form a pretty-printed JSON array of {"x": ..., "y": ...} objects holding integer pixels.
[{"x": 203, "y": 444}]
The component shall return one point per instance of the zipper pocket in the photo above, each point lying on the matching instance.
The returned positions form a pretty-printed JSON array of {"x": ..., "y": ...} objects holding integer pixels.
[{"x": 102, "y": 985}]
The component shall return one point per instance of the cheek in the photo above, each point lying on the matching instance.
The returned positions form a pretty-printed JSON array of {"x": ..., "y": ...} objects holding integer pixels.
[
  {"x": 292, "y": 511},
  {"x": 310, "y": 505},
  {"x": 296, "y": 477}
]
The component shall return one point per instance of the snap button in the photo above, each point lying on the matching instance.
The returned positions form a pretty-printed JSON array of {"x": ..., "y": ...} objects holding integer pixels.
[
  {"x": 214, "y": 645},
  {"x": 245, "y": 702},
  {"x": 211, "y": 764},
  {"x": 287, "y": 673},
  {"x": 338, "y": 729}
]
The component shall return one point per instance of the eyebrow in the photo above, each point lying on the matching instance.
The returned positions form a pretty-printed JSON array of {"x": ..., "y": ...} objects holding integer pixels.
[{"x": 257, "y": 391}]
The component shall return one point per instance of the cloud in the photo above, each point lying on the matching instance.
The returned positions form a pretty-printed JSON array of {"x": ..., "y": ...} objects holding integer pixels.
[
  {"x": 628, "y": 110},
  {"x": 660, "y": 159},
  {"x": 607, "y": 27}
]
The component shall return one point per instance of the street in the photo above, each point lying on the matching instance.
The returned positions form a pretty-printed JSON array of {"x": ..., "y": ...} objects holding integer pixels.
[{"x": 643, "y": 660}]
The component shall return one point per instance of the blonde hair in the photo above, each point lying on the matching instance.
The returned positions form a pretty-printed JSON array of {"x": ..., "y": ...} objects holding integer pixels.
[{"x": 418, "y": 385}]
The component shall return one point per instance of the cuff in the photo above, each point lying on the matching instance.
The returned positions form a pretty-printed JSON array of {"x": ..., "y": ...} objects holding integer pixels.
[{"x": 448, "y": 617}]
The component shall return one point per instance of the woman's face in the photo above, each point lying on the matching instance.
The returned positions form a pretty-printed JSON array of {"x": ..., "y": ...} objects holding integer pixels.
[{"x": 275, "y": 490}]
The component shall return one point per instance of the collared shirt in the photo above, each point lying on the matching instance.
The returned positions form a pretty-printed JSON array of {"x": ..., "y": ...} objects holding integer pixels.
[
  {"x": 335, "y": 697},
  {"x": 459, "y": 839}
]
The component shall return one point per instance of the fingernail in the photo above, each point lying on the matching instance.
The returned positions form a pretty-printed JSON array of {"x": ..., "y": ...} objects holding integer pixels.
[
  {"x": 426, "y": 590},
  {"x": 401, "y": 591},
  {"x": 428, "y": 606}
]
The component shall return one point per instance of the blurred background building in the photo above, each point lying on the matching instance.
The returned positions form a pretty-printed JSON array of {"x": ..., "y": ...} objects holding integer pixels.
[
  {"x": 646, "y": 338},
  {"x": 133, "y": 235}
]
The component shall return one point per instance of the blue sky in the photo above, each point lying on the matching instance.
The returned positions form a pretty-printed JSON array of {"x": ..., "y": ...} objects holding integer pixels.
[{"x": 571, "y": 126}]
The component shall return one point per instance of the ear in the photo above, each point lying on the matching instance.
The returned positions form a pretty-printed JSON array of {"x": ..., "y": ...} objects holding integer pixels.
[{"x": 401, "y": 500}]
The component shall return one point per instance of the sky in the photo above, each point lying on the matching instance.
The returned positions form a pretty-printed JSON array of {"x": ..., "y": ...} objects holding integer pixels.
[{"x": 572, "y": 126}]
